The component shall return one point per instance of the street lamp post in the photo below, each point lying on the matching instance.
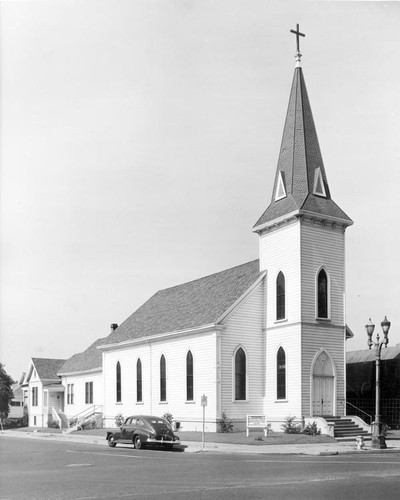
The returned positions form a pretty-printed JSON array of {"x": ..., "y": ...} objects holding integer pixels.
[{"x": 378, "y": 439}]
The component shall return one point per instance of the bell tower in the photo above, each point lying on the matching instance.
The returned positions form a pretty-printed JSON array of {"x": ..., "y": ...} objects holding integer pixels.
[{"x": 302, "y": 248}]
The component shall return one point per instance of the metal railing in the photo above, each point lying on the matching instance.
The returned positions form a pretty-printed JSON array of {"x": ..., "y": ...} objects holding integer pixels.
[
  {"x": 81, "y": 417},
  {"x": 359, "y": 410}
]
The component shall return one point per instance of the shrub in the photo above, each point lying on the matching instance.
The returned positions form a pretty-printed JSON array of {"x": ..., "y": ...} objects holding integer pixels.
[
  {"x": 119, "y": 420},
  {"x": 312, "y": 429},
  {"x": 224, "y": 424},
  {"x": 290, "y": 427},
  {"x": 53, "y": 424},
  {"x": 168, "y": 417}
]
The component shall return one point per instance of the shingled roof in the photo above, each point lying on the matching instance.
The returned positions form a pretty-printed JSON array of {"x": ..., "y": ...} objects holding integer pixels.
[
  {"x": 47, "y": 368},
  {"x": 299, "y": 158},
  {"x": 194, "y": 304},
  {"x": 90, "y": 359},
  {"x": 368, "y": 355}
]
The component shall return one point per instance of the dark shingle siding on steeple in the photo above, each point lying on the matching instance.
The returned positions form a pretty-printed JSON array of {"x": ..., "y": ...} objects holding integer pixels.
[
  {"x": 299, "y": 157},
  {"x": 194, "y": 304}
]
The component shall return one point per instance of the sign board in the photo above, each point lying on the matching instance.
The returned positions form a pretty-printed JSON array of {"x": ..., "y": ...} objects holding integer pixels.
[
  {"x": 256, "y": 422},
  {"x": 203, "y": 400}
]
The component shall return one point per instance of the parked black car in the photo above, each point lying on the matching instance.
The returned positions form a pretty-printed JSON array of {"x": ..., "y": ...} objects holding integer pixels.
[{"x": 144, "y": 430}]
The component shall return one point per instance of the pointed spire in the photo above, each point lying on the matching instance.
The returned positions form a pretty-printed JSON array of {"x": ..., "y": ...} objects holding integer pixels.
[{"x": 300, "y": 184}]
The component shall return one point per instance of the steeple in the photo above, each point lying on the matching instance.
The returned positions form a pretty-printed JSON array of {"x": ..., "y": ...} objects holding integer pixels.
[{"x": 301, "y": 185}]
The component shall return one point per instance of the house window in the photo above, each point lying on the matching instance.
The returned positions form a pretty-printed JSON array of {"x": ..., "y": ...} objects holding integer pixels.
[
  {"x": 240, "y": 375},
  {"x": 322, "y": 294},
  {"x": 35, "y": 396},
  {"x": 89, "y": 393},
  {"x": 189, "y": 376},
  {"x": 70, "y": 394},
  {"x": 281, "y": 374},
  {"x": 163, "y": 379},
  {"x": 139, "y": 397},
  {"x": 118, "y": 384},
  {"x": 280, "y": 296}
]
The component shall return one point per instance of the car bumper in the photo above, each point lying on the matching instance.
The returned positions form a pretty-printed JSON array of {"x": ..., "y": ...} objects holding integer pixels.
[{"x": 161, "y": 441}]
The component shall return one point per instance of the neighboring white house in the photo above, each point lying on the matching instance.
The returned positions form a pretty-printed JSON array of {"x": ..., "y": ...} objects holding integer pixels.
[
  {"x": 17, "y": 403},
  {"x": 266, "y": 337},
  {"x": 45, "y": 392},
  {"x": 82, "y": 377}
]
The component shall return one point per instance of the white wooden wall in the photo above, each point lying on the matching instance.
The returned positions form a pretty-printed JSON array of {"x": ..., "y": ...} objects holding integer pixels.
[
  {"x": 189, "y": 413},
  {"x": 244, "y": 328},
  {"x": 79, "y": 380}
]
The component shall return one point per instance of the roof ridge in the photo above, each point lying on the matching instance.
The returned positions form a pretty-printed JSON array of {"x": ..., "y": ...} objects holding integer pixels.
[{"x": 208, "y": 276}]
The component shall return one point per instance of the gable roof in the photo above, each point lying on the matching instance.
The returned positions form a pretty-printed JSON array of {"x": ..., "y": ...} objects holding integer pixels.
[
  {"x": 89, "y": 359},
  {"x": 190, "y": 305},
  {"x": 368, "y": 355},
  {"x": 47, "y": 368},
  {"x": 299, "y": 160}
]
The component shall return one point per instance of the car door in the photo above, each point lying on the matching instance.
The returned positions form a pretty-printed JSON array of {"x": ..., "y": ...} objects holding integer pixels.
[{"x": 126, "y": 430}]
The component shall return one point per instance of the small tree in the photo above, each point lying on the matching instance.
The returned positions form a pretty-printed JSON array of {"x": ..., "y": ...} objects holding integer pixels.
[
  {"x": 6, "y": 394},
  {"x": 224, "y": 424},
  {"x": 290, "y": 427}
]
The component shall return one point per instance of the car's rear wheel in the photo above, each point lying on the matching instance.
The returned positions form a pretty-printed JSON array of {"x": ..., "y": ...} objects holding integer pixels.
[
  {"x": 138, "y": 443},
  {"x": 111, "y": 441}
]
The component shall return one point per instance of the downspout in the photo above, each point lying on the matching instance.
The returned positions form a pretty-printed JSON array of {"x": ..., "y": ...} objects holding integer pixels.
[{"x": 151, "y": 378}]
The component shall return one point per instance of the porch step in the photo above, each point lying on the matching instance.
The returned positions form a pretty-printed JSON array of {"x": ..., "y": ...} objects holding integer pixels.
[{"x": 345, "y": 428}]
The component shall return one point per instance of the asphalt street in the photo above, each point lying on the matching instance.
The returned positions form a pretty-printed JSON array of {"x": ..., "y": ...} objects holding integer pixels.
[{"x": 39, "y": 469}]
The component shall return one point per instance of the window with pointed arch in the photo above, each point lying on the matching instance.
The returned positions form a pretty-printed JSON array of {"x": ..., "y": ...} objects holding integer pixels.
[
  {"x": 139, "y": 394},
  {"x": 118, "y": 380},
  {"x": 280, "y": 296},
  {"x": 163, "y": 379},
  {"x": 281, "y": 374},
  {"x": 322, "y": 294},
  {"x": 240, "y": 375},
  {"x": 189, "y": 376}
]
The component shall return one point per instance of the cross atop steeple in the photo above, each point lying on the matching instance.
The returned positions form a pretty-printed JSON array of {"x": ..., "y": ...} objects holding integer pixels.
[{"x": 298, "y": 35}]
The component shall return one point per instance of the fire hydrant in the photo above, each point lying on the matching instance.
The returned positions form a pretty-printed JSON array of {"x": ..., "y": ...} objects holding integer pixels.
[{"x": 360, "y": 442}]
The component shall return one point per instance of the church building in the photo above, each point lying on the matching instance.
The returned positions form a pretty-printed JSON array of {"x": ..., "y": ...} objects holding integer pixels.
[{"x": 264, "y": 338}]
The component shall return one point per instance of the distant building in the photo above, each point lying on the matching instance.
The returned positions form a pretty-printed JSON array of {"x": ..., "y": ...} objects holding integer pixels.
[{"x": 361, "y": 379}]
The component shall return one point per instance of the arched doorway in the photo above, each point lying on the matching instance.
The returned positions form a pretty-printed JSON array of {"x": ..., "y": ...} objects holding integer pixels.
[{"x": 323, "y": 383}]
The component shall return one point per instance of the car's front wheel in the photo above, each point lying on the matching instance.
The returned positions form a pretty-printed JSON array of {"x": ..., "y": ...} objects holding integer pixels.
[
  {"x": 137, "y": 442},
  {"x": 111, "y": 441}
]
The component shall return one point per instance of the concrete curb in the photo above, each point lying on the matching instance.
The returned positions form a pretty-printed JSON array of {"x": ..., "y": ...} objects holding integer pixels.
[{"x": 322, "y": 449}]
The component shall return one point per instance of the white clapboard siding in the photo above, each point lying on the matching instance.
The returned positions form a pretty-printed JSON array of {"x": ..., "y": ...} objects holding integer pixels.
[
  {"x": 244, "y": 328},
  {"x": 322, "y": 246},
  {"x": 332, "y": 340},
  {"x": 79, "y": 380},
  {"x": 189, "y": 413},
  {"x": 280, "y": 251},
  {"x": 289, "y": 338}
]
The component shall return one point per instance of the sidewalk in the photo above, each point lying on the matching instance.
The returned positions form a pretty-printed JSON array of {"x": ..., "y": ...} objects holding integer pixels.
[{"x": 393, "y": 446}]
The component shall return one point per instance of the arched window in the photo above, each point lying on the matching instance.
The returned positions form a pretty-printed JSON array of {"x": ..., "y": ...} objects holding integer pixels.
[
  {"x": 189, "y": 376},
  {"x": 240, "y": 375},
  {"x": 322, "y": 294},
  {"x": 118, "y": 378},
  {"x": 281, "y": 374},
  {"x": 280, "y": 296},
  {"x": 139, "y": 397},
  {"x": 163, "y": 379}
]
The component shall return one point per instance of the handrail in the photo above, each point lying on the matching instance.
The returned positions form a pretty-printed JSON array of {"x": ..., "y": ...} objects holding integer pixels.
[
  {"x": 362, "y": 411},
  {"x": 56, "y": 416},
  {"x": 86, "y": 413}
]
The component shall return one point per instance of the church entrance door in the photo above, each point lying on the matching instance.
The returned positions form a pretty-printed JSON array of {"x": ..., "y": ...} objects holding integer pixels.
[{"x": 323, "y": 386}]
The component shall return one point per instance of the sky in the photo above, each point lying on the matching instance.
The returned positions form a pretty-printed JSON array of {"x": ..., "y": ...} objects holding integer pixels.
[{"x": 139, "y": 143}]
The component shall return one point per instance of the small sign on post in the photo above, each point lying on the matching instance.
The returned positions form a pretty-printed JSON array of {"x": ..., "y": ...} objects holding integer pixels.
[
  {"x": 203, "y": 404},
  {"x": 256, "y": 422}
]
